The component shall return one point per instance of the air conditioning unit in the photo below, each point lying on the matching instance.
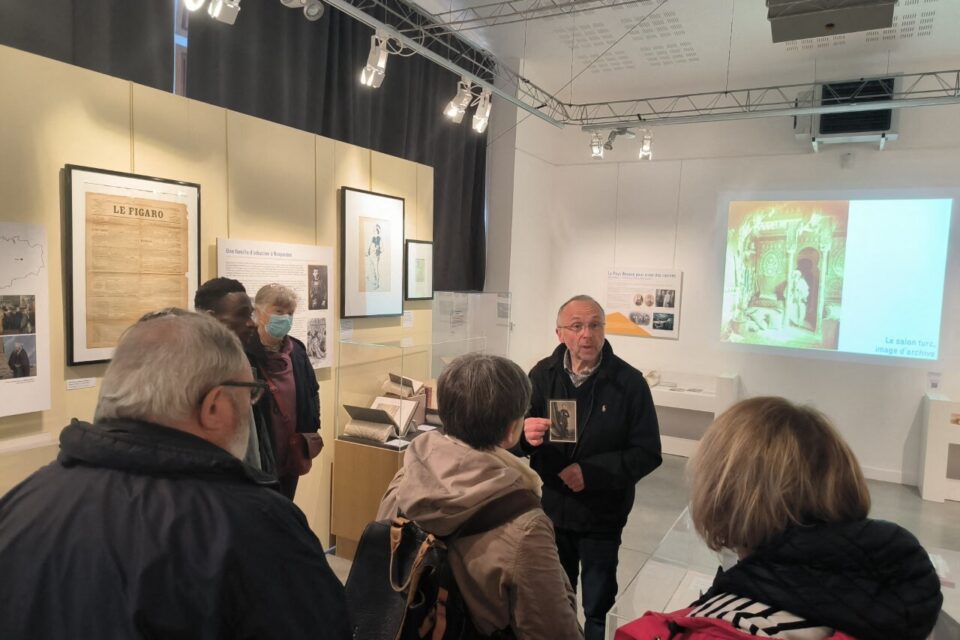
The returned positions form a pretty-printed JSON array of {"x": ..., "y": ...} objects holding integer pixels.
[{"x": 874, "y": 126}]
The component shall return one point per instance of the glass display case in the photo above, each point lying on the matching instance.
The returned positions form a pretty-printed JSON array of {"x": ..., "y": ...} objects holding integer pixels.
[{"x": 457, "y": 316}]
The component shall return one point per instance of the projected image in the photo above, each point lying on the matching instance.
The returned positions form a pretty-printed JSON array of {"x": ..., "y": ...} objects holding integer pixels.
[
  {"x": 784, "y": 274},
  {"x": 827, "y": 274}
]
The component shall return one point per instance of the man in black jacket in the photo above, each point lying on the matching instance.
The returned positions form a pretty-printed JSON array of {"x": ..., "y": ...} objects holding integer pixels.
[
  {"x": 588, "y": 486},
  {"x": 227, "y": 300},
  {"x": 148, "y": 525}
]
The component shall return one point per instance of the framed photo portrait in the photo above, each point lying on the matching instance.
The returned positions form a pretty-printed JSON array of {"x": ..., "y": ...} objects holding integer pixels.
[
  {"x": 371, "y": 253},
  {"x": 419, "y": 270},
  {"x": 132, "y": 246}
]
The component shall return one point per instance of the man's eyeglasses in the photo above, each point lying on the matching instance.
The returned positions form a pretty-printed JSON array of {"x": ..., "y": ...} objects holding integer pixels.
[
  {"x": 577, "y": 327},
  {"x": 256, "y": 388}
]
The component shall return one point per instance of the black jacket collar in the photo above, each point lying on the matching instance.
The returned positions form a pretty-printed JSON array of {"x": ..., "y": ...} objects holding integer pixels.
[{"x": 143, "y": 447}]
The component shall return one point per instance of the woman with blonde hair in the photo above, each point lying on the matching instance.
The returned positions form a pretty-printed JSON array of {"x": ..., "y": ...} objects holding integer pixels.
[{"x": 776, "y": 484}]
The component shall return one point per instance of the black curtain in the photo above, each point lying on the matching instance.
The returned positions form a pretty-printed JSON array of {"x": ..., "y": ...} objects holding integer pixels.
[
  {"x": 129, "y": 39},
  {"x": 276, "y": 65}
]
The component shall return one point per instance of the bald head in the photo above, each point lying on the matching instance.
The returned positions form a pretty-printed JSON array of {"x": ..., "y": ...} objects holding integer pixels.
[{"x": 581, "y": 298}]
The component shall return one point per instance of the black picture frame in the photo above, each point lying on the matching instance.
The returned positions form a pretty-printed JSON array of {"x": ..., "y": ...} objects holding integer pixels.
[
  {"x": 411, "y": 249},
  {"x": 79, "y": 181},
  {"x": 371, "y": 288}
]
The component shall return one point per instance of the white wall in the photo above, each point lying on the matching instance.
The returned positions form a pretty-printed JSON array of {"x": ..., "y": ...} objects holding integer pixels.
[{"x": 574, "y": 217}]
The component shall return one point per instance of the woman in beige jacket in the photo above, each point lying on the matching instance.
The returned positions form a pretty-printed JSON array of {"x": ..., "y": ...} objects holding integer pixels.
[{"x": 510, "y": 577}]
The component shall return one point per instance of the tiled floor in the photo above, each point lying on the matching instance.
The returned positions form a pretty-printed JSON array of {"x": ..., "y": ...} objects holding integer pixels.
[{"x": 662, "y": 496}]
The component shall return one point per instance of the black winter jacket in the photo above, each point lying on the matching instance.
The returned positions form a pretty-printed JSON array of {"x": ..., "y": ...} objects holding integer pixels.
[
  {"x": 870, "y": 579},
  {"x": 142, "y": 531},
  {"x": 618, "y": 441}
]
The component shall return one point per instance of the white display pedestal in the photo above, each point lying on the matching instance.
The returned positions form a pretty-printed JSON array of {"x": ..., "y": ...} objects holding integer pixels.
[
  {"x": 941, "y": 428},
  {"x": 693, "y": 392}
]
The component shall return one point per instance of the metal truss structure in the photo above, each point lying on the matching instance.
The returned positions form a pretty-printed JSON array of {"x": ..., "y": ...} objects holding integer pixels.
[
  {"x": 495, "y": 14},
  {"x": 908, "y": 90},
  {"x": 419, "y": 32},
  {"x": 438, "y": 38}
]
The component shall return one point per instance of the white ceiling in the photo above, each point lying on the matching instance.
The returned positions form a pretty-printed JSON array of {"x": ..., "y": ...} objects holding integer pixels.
[{"x": 688, "y": 46}]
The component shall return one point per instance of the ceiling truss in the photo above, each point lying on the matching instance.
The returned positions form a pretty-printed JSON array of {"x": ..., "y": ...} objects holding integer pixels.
[{"x": 438, "y": 38}]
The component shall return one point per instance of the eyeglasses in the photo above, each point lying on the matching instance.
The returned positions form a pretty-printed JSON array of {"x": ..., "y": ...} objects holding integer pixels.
[
  {"x": 577, "y": 327},
  {"x": 256, "y": 388}
]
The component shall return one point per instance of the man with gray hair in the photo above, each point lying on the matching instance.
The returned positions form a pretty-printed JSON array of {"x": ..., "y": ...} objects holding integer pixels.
[
  {"x": 588, "y": 485},
  {"x": 148, "y": 525}
]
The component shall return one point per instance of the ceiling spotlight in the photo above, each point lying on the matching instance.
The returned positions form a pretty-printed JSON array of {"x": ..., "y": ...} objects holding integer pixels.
[
  {"x": 372, "y": 74},
  {"x": 224, "y": 10},
  {"x": 482, "y": 115},
  {"x": 193, "y": 5},
  {"x": 614, "y": 133},
  {"x": 646, "y": 152},
  {"x": 313, "y": 10},
  {"x": 458, "y": 106},
  {"x": 597, "y": 145}
]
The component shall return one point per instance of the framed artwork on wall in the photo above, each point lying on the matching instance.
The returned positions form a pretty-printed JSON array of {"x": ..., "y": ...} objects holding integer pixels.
[
  {"x": 132, "y": 246},
  {"x": 371, "y": 254},
  {"x": 419, "y": 270}
]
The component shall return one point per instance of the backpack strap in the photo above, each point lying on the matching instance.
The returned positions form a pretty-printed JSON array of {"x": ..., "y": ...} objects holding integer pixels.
[{"x": 497, "y": 512}]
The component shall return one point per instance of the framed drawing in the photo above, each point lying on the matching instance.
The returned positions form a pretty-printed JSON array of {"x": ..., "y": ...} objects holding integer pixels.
[
  {"x": 371, "y": 254},
  {"x": 132, "y": 246},
  {"x": 418, "y": 282}
]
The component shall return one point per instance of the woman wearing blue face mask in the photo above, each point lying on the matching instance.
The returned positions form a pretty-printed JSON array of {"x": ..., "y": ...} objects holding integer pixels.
[{"x": 293, "y": 405}]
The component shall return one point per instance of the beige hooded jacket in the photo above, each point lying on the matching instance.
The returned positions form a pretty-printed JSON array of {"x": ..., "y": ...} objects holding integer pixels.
[{"x": 509, "y": 576}]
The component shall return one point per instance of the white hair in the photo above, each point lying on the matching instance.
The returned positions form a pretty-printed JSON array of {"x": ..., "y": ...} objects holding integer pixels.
[
  {"x": 278, "y": 295},
  {"x": 164, "y": 366}
]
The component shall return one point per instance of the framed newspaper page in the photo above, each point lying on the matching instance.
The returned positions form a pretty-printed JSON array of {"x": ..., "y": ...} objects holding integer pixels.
[{"x": 132, "y": 246}]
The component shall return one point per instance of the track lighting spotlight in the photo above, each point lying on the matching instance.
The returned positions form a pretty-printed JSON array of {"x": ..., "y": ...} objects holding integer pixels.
[
  {"x": 313, "y": 10},
  {"x": 458, "y": 106},
  {"x": 646, "y": 152},
  {"x": 597, "y": 145},
  {"x": 224, "y": 10},
  {"x": 372, "y": 74},
  {"x": 193, "y": 5},
  {"x": 481, "y": 116}
]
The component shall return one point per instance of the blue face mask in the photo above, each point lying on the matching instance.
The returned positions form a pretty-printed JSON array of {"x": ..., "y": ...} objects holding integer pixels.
[{"x": 279, "y": 326}]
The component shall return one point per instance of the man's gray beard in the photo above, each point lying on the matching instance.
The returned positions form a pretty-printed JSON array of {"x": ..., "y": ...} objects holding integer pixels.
[{"x": 241, "y": 437}]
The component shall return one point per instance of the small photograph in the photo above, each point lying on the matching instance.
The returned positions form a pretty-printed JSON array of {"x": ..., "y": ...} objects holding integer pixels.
[
  {"x": 640, "y": 298},
  {"x": 18, "y": 315},
  {"x": 641, "y": 318},
  {"x": 317, "y": 338},
  {"x": 665, "y": 297},
  {"x": 955, "y": 419},
  {"x": 316, "y": 287},
  {"x": 563, "y": 421},
  {"x": 18, "y": 358},
  {"x": 663, "y": 321},
  {"x": 648, "y": 299}
]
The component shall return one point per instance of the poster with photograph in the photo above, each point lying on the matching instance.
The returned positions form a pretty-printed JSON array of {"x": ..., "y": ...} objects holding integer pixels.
[
  {"x": 307, "y": 269},
  {"x": 563, "y": 420},
  {"x": 371, "y": 254},
  {"x": 133, "y": 248},
  {"x": 643, "y": 302},
  {"x": 24, "y": 320}
]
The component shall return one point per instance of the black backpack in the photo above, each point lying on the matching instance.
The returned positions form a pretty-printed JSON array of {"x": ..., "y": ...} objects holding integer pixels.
[{"x": 401, "y": 587}]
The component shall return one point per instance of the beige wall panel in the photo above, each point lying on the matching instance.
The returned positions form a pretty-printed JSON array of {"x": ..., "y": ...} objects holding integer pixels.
[
  {"x": 185, "y": 140},
  {"x": 53, "y": 114},
  {"x": 351, "y": 167},
  {"x": 271, "y": 181},
  {"x": 424, "y": 202},
  {"x": 314, "y": 492},
  {"x": 397, "y": 177}
]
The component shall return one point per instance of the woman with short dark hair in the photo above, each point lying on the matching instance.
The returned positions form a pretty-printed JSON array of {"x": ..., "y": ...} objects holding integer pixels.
[
  {"x": 776, "y": 484},
  {"x": 509, "y": 576}
]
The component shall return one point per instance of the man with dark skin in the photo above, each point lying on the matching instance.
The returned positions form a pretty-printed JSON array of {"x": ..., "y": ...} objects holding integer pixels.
[{"x": 226, "y": 300}]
